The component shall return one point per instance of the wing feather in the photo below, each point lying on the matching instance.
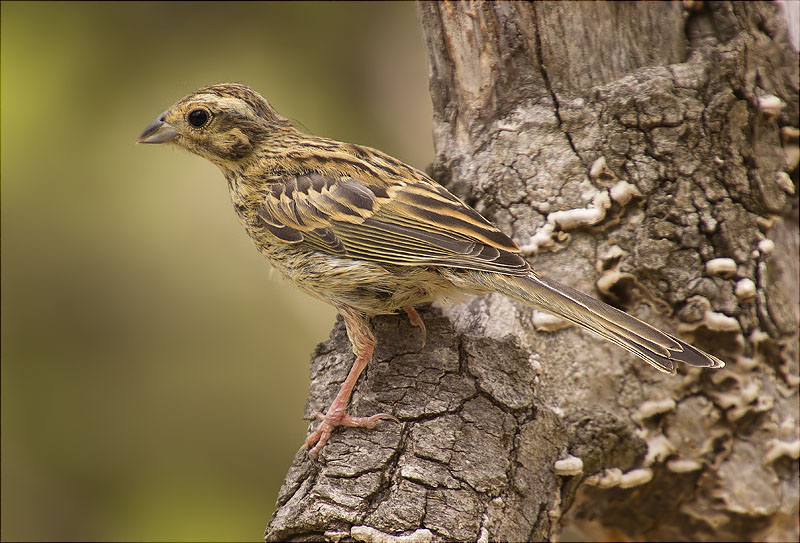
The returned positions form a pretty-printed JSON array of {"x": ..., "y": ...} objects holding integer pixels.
[{"x": 401, "y": 223}]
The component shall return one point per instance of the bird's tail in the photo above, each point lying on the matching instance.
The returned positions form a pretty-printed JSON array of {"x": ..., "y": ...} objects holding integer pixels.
[{"x": 655, "y": 347}]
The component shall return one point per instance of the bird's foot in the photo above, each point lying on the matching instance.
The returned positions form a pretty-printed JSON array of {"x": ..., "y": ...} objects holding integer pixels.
[
  {"x": 416, "y": 320},
  {"x": 334, "y": 418}
]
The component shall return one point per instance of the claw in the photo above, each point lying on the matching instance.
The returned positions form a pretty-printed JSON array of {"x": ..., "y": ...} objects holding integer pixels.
[
  {"x": 416, "y": 320},
  {"x": 322, "y": 434}
]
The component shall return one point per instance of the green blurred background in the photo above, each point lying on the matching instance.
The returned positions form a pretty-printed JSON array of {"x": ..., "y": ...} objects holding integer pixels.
[{"x": 154, "y": 372}]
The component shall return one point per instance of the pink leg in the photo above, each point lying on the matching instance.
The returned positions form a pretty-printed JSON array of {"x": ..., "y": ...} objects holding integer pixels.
[
  {"x": 416, "y": 320},
  {"x": 363, "y": 345}
]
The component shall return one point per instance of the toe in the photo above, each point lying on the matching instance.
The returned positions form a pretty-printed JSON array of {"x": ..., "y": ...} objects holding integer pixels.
[
  {"x": 416, "y": 320},
  {"x": 366, "y": 422}
]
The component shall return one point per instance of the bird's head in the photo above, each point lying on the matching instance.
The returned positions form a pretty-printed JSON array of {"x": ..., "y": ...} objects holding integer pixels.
[{"x": 222, "y": 123}]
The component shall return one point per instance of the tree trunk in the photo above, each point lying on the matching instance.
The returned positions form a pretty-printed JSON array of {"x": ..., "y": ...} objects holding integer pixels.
[{"x": 641, "y": 150}]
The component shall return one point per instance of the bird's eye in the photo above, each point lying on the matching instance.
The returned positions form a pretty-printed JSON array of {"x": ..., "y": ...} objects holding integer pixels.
[{"x": 198, "y": 117}]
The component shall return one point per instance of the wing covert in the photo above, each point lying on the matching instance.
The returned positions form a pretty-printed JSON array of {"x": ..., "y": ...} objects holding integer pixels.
[{"x": 404, "y": 224}]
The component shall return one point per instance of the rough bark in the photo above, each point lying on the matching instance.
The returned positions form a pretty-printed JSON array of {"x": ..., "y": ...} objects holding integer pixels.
[{"x": 671, "y": 133}]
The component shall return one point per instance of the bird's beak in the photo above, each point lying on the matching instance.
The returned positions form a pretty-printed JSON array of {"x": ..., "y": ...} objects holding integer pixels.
[{"x": 159, "y": 131}]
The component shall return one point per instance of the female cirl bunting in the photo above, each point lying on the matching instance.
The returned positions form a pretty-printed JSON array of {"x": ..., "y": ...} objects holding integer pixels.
[{"x": 371, "y": 235}]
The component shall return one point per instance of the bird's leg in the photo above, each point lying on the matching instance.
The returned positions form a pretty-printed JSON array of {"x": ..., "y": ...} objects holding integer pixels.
[
  {"x": 363, "y": 341},
  {"x": 416, "y": 320}
]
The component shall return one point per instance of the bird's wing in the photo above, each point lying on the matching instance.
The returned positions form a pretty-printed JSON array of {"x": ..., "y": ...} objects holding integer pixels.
[{"x": 416, "y": 223}]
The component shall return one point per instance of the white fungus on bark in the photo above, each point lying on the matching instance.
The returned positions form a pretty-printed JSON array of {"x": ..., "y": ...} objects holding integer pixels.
[
  {"x": 745, "y": 289},
  {"x": 567, "y": 219},
  {"x": 779, "y": 448},
  {"x": 542, "y": 239},
  {"x": 607, "y": 478},
  {"x": 600, "y": 170},
  {"x": 622, "y": 192},
  {"x": 770, "y": 106},
  {"x": 766, "y": 246},
  {"x": 659, "y": 447},
  {"x": 651, "y": 408},
  {"x": 586, "y": 216},
  {"x": 785, "y": 182},
  {"x": 683, "y": 465},
  {"x": 725, "y": 267},
  {"x": 636, "y": 477},
  {"x": 720, "y": 322},
  {"x": 545, "y": 322},
  {"x": 571, "y": 465}
]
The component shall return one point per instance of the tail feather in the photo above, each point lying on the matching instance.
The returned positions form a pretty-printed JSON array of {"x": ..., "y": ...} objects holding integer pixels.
[{"x": 659, "y": 349}]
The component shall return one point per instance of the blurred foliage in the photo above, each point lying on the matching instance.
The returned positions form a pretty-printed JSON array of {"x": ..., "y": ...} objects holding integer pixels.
[{"x": 153, "y": 373}]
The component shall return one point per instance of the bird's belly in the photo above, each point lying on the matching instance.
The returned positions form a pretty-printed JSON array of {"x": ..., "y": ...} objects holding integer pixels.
[{"x": 372, "y": 288}]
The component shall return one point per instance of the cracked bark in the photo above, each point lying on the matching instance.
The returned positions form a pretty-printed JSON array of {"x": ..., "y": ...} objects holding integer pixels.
[{"x": 669, "y": 116}]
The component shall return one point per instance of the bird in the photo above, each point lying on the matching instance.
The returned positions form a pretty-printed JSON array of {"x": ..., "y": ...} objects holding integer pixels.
[{"x": 371, "y": 235}]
